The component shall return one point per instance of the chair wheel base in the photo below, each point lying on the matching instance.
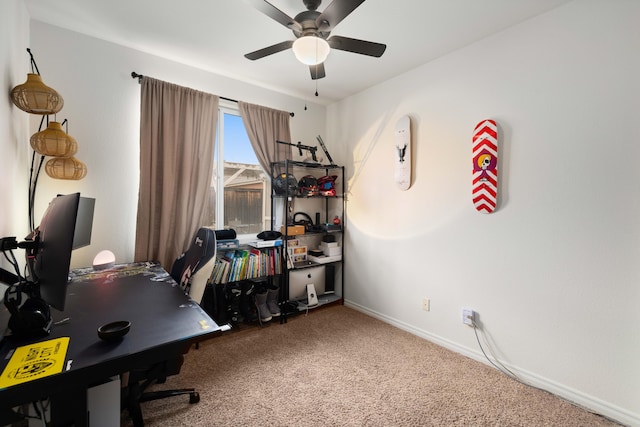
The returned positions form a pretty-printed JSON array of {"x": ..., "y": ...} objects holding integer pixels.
[{"x": 194, "y": 397}]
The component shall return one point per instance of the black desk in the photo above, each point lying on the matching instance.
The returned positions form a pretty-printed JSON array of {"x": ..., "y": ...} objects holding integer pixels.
[{"x": 164, "y": 322}]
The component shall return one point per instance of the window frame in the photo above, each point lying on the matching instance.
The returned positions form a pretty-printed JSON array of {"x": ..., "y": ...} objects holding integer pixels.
[{"x": 219, "y": 176}]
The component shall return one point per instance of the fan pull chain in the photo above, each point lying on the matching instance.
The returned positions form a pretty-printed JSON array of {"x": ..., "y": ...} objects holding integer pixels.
[{"x": 316, "y": 68}]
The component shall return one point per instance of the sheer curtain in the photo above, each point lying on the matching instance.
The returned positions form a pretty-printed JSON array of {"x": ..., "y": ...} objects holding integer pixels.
[
  {"x": 264, "y": 127},
  {"x": 177, "y": 135}
]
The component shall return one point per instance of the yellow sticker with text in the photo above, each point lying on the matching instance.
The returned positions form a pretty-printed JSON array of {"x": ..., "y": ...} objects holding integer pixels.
[{"x": 33, "y": 361}]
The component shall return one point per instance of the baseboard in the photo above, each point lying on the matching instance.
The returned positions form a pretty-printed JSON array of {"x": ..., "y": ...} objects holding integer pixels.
[{"x": 588, "y": 402}]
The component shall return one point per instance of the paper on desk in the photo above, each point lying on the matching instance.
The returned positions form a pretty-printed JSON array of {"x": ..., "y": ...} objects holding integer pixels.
[{"x": 34, "y": 361}]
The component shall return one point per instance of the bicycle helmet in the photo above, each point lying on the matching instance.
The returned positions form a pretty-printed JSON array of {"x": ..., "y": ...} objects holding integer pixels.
[
  {"x": 308, "y": 186},
  {"x": 285, "y": 184},
  {"x": 326, "y": 185}
]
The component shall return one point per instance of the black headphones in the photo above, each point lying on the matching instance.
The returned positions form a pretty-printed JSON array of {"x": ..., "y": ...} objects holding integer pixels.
[
  {"x": 33, "y": 318},
  {"x": 307, "y": 221}
]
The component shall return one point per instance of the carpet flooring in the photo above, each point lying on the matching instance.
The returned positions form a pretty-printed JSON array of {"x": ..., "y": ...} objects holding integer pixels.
[{"x": 339, "y": 367}]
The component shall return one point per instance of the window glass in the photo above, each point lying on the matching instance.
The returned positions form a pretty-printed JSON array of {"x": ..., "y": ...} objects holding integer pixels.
[{"x": 239, "y": 189}]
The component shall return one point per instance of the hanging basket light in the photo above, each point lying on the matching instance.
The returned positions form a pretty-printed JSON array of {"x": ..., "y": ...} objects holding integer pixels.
[
  {"x": 34, "y": 97},
  {"x": 53, "y": 141},
  {"x": 66, "y": 168}
]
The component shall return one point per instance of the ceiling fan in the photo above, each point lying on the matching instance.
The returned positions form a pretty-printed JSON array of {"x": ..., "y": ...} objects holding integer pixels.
[{"x": 312, "y": 30}]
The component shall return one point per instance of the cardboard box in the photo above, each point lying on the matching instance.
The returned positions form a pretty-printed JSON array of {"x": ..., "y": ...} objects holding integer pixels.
[{"x": 292, "y": 230}]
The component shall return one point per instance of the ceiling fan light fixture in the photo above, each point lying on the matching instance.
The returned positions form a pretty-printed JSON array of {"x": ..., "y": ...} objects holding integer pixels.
[{"x": 311, "y": 50}]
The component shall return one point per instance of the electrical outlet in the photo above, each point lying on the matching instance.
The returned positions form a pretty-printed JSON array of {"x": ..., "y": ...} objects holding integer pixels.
[
  {"x": 426, "y": 304},
  {"x": 468, "y": 316}
]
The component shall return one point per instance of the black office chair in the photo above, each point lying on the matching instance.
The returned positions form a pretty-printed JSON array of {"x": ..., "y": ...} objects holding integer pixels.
[{"x": 191, "y": 270}]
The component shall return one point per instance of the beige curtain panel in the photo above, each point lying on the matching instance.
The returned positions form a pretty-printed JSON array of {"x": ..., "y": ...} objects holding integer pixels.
[
  {"x": 264, "y": 127},
  {"x": 177, "y": 138}
]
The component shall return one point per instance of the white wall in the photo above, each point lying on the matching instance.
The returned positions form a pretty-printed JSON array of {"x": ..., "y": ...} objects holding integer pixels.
[
  {"x": 554, "y": 272},
  {"x": 102, "y": 104},
  {"x": 14, "y": 123}
]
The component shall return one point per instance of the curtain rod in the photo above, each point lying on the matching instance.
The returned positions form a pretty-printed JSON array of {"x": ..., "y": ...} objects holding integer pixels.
[{"x": 140, "y": 76}]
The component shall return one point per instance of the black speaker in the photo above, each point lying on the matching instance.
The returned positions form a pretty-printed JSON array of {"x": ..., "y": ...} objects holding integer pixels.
[
  {"x": 330, "y": 279},
  {"x": 229, "y": 234}
]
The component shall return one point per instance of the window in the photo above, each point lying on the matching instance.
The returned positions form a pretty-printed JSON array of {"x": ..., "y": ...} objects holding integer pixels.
[{"x": 240, "y": 188}]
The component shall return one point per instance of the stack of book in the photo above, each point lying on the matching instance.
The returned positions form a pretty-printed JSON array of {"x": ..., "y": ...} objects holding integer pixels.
[
  {"x": 227, "y": 244},
  {"x": 242, "y": 264},
  {"x": 266, "y": 243}
]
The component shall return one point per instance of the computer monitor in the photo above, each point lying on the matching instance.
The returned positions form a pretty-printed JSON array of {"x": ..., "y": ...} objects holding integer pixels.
[
  {"x": 48, "y": 252},
  {"x": 84, "y": 222},
  {"x": 298, "y": 280},
  {"x": 51, "y": 258}
]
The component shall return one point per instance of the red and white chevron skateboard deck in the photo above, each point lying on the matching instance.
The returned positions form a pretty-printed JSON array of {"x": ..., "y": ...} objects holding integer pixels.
[{"x": 485, "y": 166}]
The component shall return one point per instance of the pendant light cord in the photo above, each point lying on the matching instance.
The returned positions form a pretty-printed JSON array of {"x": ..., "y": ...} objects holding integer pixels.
[
  {"x": 33, "y": 63},
  {"x": 316, "y": 79}
]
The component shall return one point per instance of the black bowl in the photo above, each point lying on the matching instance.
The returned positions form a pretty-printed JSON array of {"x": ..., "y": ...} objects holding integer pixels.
[{"x": 114, "y": 330}]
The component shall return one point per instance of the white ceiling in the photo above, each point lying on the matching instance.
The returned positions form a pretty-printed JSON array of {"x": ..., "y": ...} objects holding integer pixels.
[{"x": 214, "y": 35}]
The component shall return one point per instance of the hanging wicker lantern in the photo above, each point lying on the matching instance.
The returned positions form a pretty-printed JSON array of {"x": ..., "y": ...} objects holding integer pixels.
[
  {"x": 33, "y": 96},
  {"x": 65, "y": 168},
  {"x": 53, "y": 141}
]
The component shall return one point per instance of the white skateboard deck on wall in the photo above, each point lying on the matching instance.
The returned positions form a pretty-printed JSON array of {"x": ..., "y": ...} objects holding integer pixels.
[{"x": 402, "y": 152}]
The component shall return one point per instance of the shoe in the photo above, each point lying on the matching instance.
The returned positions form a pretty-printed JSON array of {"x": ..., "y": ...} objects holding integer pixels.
[
  {"x": 272, "y": 301},
  {"x": 247, "y": 307},
  {"x": 234, "y": 305},
  {"x": 261, "y": 304}
]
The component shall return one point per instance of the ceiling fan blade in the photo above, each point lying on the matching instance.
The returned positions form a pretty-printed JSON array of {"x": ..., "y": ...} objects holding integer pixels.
[
  {"x": 362, "y": 47},
  {"x": 335, "y": 13},
  {"x": 274, "y": 13},
  {"x": 269, "y": 50},
  {"x": 317, "y": 71}
]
